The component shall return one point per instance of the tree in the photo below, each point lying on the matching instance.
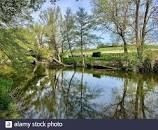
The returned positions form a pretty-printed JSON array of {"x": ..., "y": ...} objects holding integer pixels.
[
  {"x": 10, "y": 10},
  {"x": 142, "y": 19},
  {"x": 52, "y": 19},
  {"x": 39, "y": 31},
  {"x": 84, "y": 34},
  {"x": 13, "y": 46},
  {"x": 68, "y": 32},
  {"x": 113, "y": 16}
]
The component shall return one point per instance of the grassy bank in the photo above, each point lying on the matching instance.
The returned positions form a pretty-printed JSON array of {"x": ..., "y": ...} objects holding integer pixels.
[
  {"x": 7, "y": 107},
  {"x": 113, "y": 56},
  {"x": 8, "y": 83}
]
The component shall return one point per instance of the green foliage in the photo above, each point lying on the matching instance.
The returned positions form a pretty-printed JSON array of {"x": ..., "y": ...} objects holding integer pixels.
[
  {"x": 11, "y": 10},
  {"x": 11, "y": 113},
  {"x": 68, "y": 31},
  {"x": 5, "y": 86},
  {"x": 8, "y": 109},
  {"x": 52, "y": 20},
  {"x": 108, "y": 58},
  {"x": 25, "y": 37},
  {"x": 84, "y": 28},
  {"x": 147, "y": 65},
  {"x": 6, "y": 70},
  {"x": 14, "y": 47},
  {"x": 9, "y": 46}
]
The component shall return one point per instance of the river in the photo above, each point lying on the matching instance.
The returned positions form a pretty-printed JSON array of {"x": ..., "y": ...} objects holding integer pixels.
[{"x": 86, "y": 94}]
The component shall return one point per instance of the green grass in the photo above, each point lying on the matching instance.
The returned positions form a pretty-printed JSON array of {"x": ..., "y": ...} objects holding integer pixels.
[
  {"x": 112, "y": 54},
  {"x": 115, "y": 50},
  {"x": 8, "y": 109},
  {"x": 105, "y": 59}
]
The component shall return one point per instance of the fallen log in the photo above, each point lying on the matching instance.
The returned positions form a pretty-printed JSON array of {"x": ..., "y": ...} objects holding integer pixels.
[
  {"x": 105, "y": 67},
  {"x": 56, "y": 62}
]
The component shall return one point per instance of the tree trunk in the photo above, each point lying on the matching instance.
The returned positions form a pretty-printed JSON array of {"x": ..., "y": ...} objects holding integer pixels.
[
  {"x": 144, "y": 28},
  {"x": 57, "y": 54},
  {"x": 140, "y": 53},
  {"x": 70, "y": 48},
  {"x": 82, "y": 55},
  {"x": 140, "y": 40},
  {"x": 125, "y": 48},
  {"x": 137, "y": 2},
  {"x": 124, "y": 44}
]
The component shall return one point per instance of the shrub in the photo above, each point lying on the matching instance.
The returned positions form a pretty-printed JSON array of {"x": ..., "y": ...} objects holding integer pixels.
[
  {"x": 96, "y": 54},
  {"x": 147, "y": 65},
  {"x": 155, "y": 68}
]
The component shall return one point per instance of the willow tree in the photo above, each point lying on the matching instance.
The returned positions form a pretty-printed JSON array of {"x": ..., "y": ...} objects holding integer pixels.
[
  {"x": 11, "y": 14},
  {"x": 52, "y": 20},
  {"x": 39, "y": 31}
]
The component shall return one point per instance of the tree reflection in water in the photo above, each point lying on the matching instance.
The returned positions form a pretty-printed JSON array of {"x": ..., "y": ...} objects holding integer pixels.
[
  {"x": 54, "y": 95},
  {"x": 134, "y": 102},
  {"x": 79, "y": 94}
]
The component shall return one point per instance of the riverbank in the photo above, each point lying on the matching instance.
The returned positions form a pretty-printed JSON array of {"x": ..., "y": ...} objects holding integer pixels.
[
  {"x": 118, "y": 61},
  {"x": 113, "y": 58}
]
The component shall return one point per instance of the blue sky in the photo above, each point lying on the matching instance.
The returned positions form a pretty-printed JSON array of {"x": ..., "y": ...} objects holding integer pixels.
[{"x": 64, "y": 4}]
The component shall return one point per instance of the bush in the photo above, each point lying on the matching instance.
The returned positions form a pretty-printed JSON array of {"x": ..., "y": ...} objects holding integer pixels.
[
  {"x": 96, "y": 54},
  {"x": 155, "y": 68},
  {"x": 146, "y": 66}
]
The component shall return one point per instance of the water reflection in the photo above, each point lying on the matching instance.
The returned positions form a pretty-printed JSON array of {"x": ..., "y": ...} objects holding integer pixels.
[
  {"x": 87, "y": 94},
  {"x": 136, "y": 101}
]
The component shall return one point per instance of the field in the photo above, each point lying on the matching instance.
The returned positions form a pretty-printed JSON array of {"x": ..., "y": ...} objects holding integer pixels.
[
  {"x": 119, "y": 49},
  {"x": 112, "y": 54}
]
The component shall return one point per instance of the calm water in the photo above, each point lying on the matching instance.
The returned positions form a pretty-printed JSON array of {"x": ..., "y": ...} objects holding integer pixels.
[{"x": 87, "y": 94}]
